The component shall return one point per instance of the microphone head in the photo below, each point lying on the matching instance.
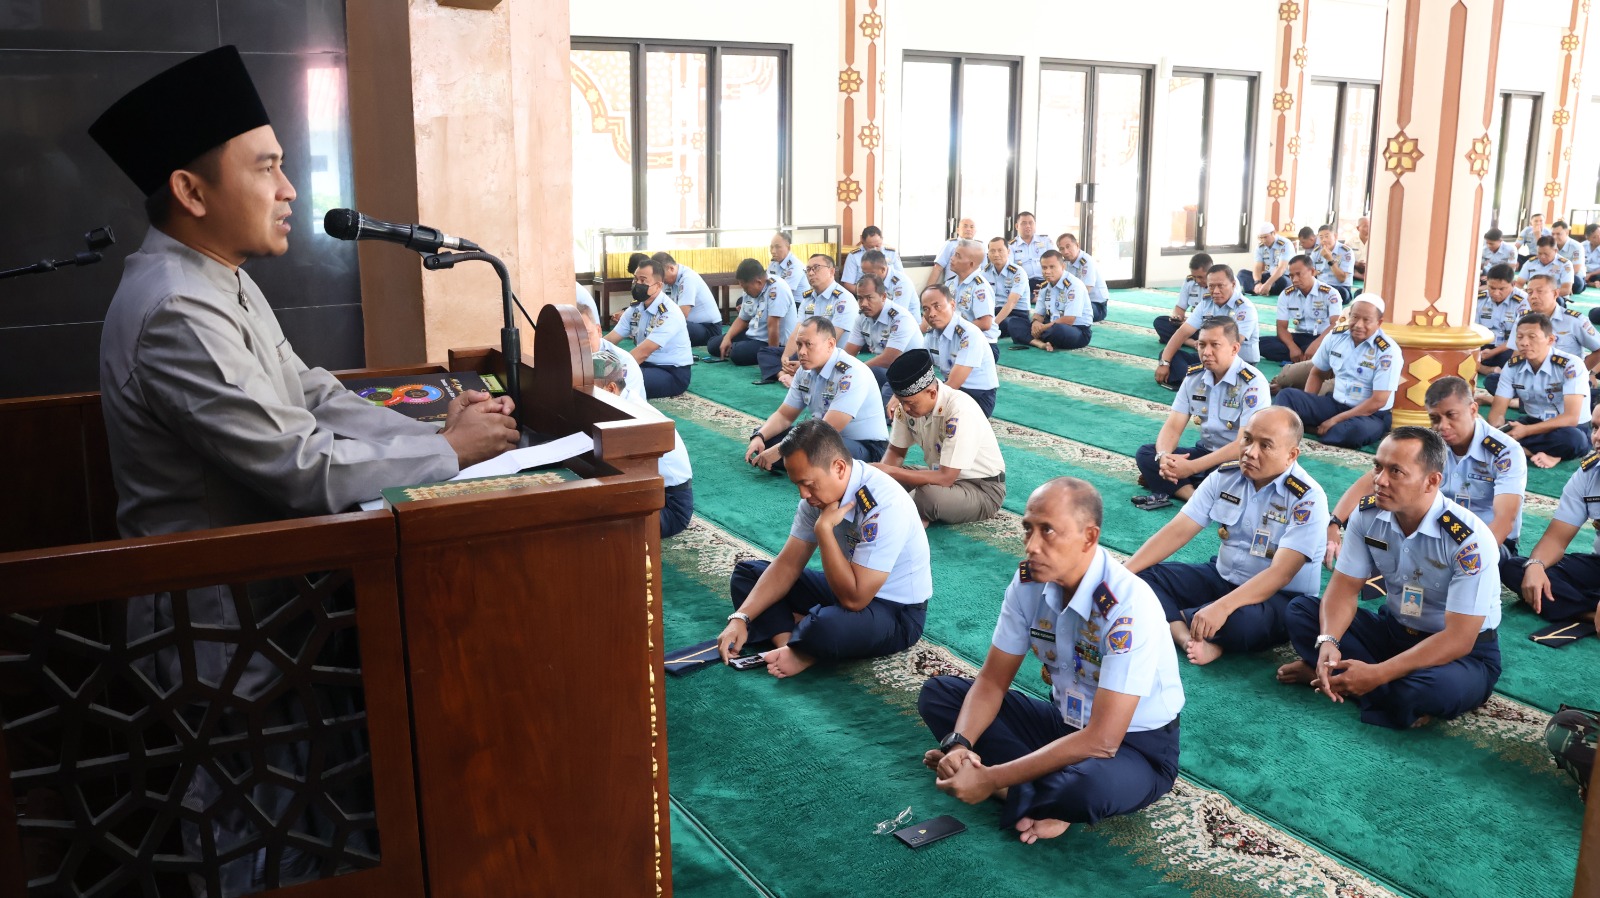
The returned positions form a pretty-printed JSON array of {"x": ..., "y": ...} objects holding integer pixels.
[{"x": 344, "y": 224}]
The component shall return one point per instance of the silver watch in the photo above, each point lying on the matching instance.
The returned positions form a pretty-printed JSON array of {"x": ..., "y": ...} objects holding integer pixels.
[
  {"x": 1324, "y": 638},
  {"x": 739, "y": 615}
]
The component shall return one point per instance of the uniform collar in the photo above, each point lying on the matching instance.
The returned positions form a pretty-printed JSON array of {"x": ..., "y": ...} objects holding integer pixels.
[
  {"x": 1278, "y": 483},
  {"x": 828, "y": 367},
  {"x": 225, "y": 279},
  {"x": 1061, "y": 284},
  {"x": 1372, "y": 339},
  {"x": 832, "y": 285},
  {"x": 883, "y": 314},
  {"x": 1430, "y": 519},
  {"x": 1082, "y": 601},
  {"x": 1480, "y": 429},
  {"x": 942, "y": 403},
  {"x": 1230, "y": 376},
  {"x": 949, "y": 331},
  {"x": 975, "y": 276}
]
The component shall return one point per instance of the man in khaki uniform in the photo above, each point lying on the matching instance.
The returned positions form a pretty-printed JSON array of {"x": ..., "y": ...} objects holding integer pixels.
[{"x": 965, "y": 477}]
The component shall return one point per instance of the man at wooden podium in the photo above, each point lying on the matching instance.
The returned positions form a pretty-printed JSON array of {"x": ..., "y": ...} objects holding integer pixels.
[{"x": 213, "y": 420}]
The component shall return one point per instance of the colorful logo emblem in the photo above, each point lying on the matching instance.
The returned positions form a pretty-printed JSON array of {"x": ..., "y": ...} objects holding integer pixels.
[
  {"x": 1302, "y": 513},
  {"x": 1468, "y": 560},
  {"x": 1503, "y": 463},
  {"x": 950, "y": 427},
  {"x": 869, "y": 531}
]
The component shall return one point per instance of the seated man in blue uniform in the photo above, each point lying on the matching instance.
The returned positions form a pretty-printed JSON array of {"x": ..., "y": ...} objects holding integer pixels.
[
  {"x": 1190, "y": 293},
  {"x": 1365, "y": 367},
  {"x": 871, "y": 239},
  {"x": 1271, "y": 272},
  {"x": 766, "y": 319},
  {"x": 884, "y": 328},
  {"x": 1084, "y": 267},
  {"x": 659, "y": 333},
  {"x": 1273, "y": 521},
  {"x": 1107, "y": 741},
  {"x": 1063, "y": 318},
  {"x": 1334, "y": 262},
  {"x": 1499, "y": 305},
  {"x": 611, "y": 375},
  {"x": 1223, "y": 392},
  {"x": 1307, "y": 312},
  {"x": 1486, "y": 472},
  {"x": 1011, "y": 289},
  {"x": 834, "y": 387},
  {"x": 1430, "y": 651},
  {"x": 1562, "y": 586},
  {"x": 1222, "y": 299},
  {"x": 688, "y": 289},
  {"x": 1552, "y": 388},
  {"x": 1548, "y": 263},
  {"x": 1495, "y": 251},
  {"x": 1528, "y": 239},
  {"x": 871, "y": 596},
  {"x": 959, "y": 349}
]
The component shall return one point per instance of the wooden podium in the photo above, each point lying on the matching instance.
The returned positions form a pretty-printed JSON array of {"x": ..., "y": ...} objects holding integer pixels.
[{"x": 508, "y": 684}]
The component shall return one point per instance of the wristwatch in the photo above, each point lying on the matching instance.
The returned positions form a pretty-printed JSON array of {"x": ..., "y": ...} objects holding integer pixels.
[
  {"x": 739, "y": 615},
  {"x": 951, "y": 741},
  {"x": 1334, "y": 519},
  {"x": 1325, "y": 638}
]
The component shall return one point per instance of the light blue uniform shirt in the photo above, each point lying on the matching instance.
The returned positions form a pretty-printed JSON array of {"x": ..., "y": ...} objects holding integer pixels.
[
  {"x": 1027, "y": 254},
  {"x": 1291, "y": 512},
  {"x": 1543, "y": 390},
  {"x": 1223, "y": 406},
  {"x": 974, "y": 300},
  {"x": 833, "y": 303},
  {"x": 1572, "y": 251},
  {"x": 1003, "y": 283},
  {"x": 1591, "y": 258},
  {"x": 773, "y": 302},
  {"x": 1244, "y": 314},
  {"x": 1191, "y": 293},
  {"x": 883, "y": 532},
  {"x": 845, "y": 385},
  {"x": 893, "y": 328},
  {"x": 1527, "y": 238},
  {"x": 1088, "y": 271},
  {"x": 691, "y": 290},
  {"x": 1494, "y": 465},
  {"x": 1110, "y": 633},
  {"x": 632, "y": 378},
  {"x": 1310, "y": 314},
  {"x": 791, "y": 271},
  {"x": 1489, "y": 258},
  {"x": 1575, "y": 334},
  {"x": 1501, "y": 317},
  {"x": 660, "y": 321},
  {"x": 850, "y": 273},
  {"x": 1067, "y": 296},
  {"x": 945, "y": 252},
  {"x": 1341, "y": 254},
  {"x": 961, "y": 343},
  {"x": 1445, "y": 558},
  {"x": 1278, "y": 251},
  {"x": 1359, "y": 370},
  {"x": 1580, "y": 498},
  {"x": 1558, "y": 269}
]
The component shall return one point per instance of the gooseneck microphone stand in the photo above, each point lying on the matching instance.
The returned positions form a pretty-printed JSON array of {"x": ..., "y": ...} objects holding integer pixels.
[
  {"x": 97, "y": 240},
  {"x": 510, "y": 337}
]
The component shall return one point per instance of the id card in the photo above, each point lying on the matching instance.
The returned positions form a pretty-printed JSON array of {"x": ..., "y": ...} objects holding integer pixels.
[
  {"x": 1464, "y": 498},
  {"x": 1076, "y": 711},
  {"x": 1258, "y": 543},
  {"x": 1411, "y": 600}
]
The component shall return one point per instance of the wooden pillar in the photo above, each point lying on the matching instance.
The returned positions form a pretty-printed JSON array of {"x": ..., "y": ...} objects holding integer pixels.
[
  {"x": 1289, "y": 80},
  {"x": 1433, "y": 138},
  {"x": 1587, "y": 883},
  {"x": 1564, "y": 118},
  {"x": 860, "y": 123},
  {"x": 460, "y": 120}
]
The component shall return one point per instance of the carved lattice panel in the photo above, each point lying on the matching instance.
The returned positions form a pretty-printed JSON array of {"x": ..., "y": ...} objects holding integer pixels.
[{"x": 211, "y": 741}]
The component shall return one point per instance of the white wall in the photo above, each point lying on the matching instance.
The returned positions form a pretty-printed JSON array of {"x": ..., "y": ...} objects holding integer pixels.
[{"x": 1346, "y": 41}]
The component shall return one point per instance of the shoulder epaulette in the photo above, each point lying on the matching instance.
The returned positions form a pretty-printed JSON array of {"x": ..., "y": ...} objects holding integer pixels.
[
  {"x": 809, "y": 292},
  {"x": 1591, "y": 461},
  {"x": 1516, "y": 359},
  {"x": 865, "y": 501},
  {"x": 1024, "y": 572},
  {"x": 841, "y": 365},
  {"x": 1237, "y": 300},
  {"x": 1368, "y": 502},
  {"x": 1381, "y": 342},
  {"x": 1574, "y": 313},
  {"x": 1557, "y": 359},
  {"x": 1196, "y": 369},
  {"x": 1454, "y": 526},
  {"x": 1247, "y": 375},
  {"x": 1483, "y": 294},
  {"x": 1012, "y": 267},
  {"x": 1228, "y": 466},
  {"x": 1296, "y": 486},
  {"x": 1494, "y": 446},
  {"x": 1339, "y": 329}
]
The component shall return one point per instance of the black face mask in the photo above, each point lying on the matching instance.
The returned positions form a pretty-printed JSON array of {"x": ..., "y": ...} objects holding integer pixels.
[{"x": 641, "y": 292}]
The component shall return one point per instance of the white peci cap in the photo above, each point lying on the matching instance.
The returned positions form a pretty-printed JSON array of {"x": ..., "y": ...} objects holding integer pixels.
[
  {"x": 1263, "y": 228},
  {"x": 1372, "y": 299}
]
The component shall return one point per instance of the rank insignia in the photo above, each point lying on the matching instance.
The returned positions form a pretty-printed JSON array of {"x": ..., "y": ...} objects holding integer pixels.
[
  {"x": 1452, "y": 525},
  {"x": 1044, "y": 623},
  {"x": 864, "y": 501},
  {"x": 1024, "y": 572},
  {"x": 1296, "y": 486},
  {"x": 1368, "y": 502},
  {"x": 1104, "y": 600},
  {"x": 1222, "y": 531},
  {"x": 1050, "y": 655},
  {"x": 1468, "y": 561},
  {"x": 841, "y": 366}
]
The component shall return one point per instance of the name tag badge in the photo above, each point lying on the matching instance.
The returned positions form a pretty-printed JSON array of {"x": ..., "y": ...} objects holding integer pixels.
[
  {"x": 1411, "y": 600},
  {"x": 1258, "y": 543},
  {"x": 1375, "y": 543},
  {"x": 1042, "y": 635},
  {"x": 1075, "y": 709},
  {"x": 1229, "y": 497}
]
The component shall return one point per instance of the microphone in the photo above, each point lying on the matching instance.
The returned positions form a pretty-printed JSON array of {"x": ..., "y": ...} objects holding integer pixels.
[{"x": 348, "y": 224}]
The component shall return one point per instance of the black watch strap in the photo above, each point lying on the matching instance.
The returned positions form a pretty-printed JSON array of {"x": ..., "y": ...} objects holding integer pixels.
[{"x": 951, "y": 741}]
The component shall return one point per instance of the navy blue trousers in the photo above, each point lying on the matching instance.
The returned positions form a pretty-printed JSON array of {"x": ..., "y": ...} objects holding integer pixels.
[
  {"x": 1275, "y": 350},
  {"x": 1351, "y": 433},
  {"x": 750, "y": 351},
  {"x": 1186, "y": 588},
  {"x": 1067, "y": 336},
  {"x": 1182, "y": 361},
  {"x": 1165, "y": 327},
  {"x": 1444, "y": 692},
  {"x": 1145, "y": 458},
  {"x": 1142, "y": 770},
  {"x": 984, "y": 398},
  {"x": 679, "y": 509},
  {"x": 865, "y": 450},
  {"x": 1019, "y": 327},
  {"x": 703, "y": 333},
  {"x": 825, "y": 630},
  {"x": 1575, "y": 581},
  {"x": 1563, "y": 442},
  {"x": 1100, "y": 310},
  {"x": 1247, "y": 282},
  {"x": 661, "y": 381}
]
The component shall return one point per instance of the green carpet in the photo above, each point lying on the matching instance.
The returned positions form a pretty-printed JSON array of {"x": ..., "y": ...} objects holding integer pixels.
[{"x": 1367, "y": 802}]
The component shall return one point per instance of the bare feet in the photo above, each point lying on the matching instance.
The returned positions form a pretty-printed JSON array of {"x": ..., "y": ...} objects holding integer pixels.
[
  {"x": 1032, "y": 830},
  {"x": 1296, "y": 673},
  {"x": 786, "y": 662},
  {"x": 1180, "y": 634},
  {"x": 786, "y": 379},
  {"x": 1420, "y": 722},
  {"x": 1203, "y": 652},
  {"x": 1542, "y": 460},
  {"x": 1040, "y": 344}
]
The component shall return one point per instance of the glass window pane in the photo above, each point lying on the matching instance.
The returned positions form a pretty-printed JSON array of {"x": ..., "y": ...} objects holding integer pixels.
[
  {"x": 986, "y": 103},
  {"x": 675, "y": 160},
  {"x": 602, "y": 149},
  {"x": 747, "y": 157},
  {"x": 1060, "y": 153},
  {"x": 1318, "y": 121},
  {"x": 1490, "y": 214},
  {"x": 924, "y": 158},
  {"x": 1518, "y": 156},
  {"x": 1230, "y": 154},
  {"x": 1355, "y": 156},
  {"x": 1183, "y": 161},
  {"x": 1118, "y": 172}
]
